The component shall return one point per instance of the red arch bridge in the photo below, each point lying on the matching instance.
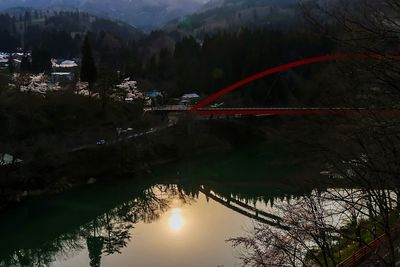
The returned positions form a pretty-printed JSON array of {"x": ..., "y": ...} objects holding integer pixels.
[{"x": 201, "y": 109}]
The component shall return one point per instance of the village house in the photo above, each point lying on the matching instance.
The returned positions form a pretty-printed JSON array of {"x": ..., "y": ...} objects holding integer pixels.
[
  {"x": 154, "y": 97},
  {"x": 62, "y": 77},
  {"x": 3, "y": 60},
  {"x": 64, "y": 70},
  {"x": 63, "y": 64},
  {"x": 7, "y": 159},
  {"x": 189, "y": 99}
]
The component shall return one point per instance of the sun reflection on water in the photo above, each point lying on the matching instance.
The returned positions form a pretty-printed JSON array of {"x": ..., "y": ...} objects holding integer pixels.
[{"x": 176, "y": 220}]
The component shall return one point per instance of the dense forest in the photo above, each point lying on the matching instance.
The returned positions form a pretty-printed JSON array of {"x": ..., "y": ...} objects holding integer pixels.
[
  {"x": 61, "y": 32},
  {"x": 172, "y": 62},
  {"x": 225, "y": 58}
]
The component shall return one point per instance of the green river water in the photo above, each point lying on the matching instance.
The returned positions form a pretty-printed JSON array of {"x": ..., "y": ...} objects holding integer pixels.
[{"x": 181, "y": 215}]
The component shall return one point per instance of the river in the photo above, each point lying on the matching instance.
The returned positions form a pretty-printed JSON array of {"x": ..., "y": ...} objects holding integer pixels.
[{"x": 181, "y": 215}]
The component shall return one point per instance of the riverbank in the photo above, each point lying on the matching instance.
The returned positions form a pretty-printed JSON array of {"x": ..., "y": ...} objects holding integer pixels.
[
  {"x": 56, "y": 156},
  {"x": 127, "y": 158}
]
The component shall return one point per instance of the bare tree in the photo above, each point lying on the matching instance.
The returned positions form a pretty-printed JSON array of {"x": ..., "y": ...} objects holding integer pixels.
[
  {"x": 307, "y": 238},
  {"x": 367, "y": 159},
  {"x": 370, "y": 161}
]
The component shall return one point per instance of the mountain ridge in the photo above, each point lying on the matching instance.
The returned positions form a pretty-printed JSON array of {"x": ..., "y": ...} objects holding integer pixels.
[{"x": 146, "y": 14}]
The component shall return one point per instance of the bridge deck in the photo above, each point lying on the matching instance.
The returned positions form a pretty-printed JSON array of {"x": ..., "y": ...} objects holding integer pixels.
[{"x": 253, "y": 110}]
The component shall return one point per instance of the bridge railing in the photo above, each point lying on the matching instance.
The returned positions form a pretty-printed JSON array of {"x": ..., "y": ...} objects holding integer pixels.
[
  {"x": 170, "y": 108},
  {"x": 357, "y": 256}
]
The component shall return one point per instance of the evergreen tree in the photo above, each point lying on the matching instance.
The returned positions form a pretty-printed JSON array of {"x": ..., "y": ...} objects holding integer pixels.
[
  {"x": 9, "y": 42},
  {"x": 41, "y": 61},
  {"x": 25, "y": 64},
  {"x": 27, "y": 18},
  {"x": 11, "y": 65},
  {"x": 88, "y": 67},
  {"x": 95, "y": 245}
]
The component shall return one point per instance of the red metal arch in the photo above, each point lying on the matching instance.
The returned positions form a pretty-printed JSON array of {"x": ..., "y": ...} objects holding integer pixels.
[{"x": 197, "y": 109}]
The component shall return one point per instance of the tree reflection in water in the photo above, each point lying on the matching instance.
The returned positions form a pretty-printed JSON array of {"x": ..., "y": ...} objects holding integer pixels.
[
  {"x": 104, "y": 225},
  {"x": 45, "y": 254},
  {"x": 106, "y": 234}
]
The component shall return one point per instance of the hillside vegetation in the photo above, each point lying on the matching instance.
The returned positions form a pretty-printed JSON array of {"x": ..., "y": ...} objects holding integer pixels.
[{"x": 234, "y": 14}]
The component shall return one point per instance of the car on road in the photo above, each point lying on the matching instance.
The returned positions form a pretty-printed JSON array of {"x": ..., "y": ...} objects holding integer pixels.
[{"x": 101, "y": 142}]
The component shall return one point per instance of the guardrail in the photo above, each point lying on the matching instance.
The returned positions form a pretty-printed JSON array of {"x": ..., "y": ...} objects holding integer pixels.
[
  {"x": 182, "y": 107},
  {"x": 169, "y": 108},
  {"x": 357, "y": 256}
]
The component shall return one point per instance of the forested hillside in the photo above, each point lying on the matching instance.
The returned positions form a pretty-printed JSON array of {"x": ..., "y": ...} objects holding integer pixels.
[
  {"x": 233, "y": 14},
  {"x": 225, "y": 58},
  {"x": 144, "y": 13},
  {"x": 60, "y": 32}
]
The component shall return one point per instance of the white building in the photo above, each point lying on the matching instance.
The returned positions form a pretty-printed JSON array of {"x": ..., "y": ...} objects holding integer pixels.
[
  {"x": 187, "y": 99},
  {"x": 4, "y": 60},
  {"x": 56, "y": 63}
]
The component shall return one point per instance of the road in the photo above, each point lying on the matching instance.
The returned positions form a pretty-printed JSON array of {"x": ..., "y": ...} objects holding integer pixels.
[{"x": 129, "y": 137}]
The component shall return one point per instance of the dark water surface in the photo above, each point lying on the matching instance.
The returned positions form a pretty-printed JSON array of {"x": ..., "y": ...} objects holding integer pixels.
[{"x": 182, "y": 216}]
